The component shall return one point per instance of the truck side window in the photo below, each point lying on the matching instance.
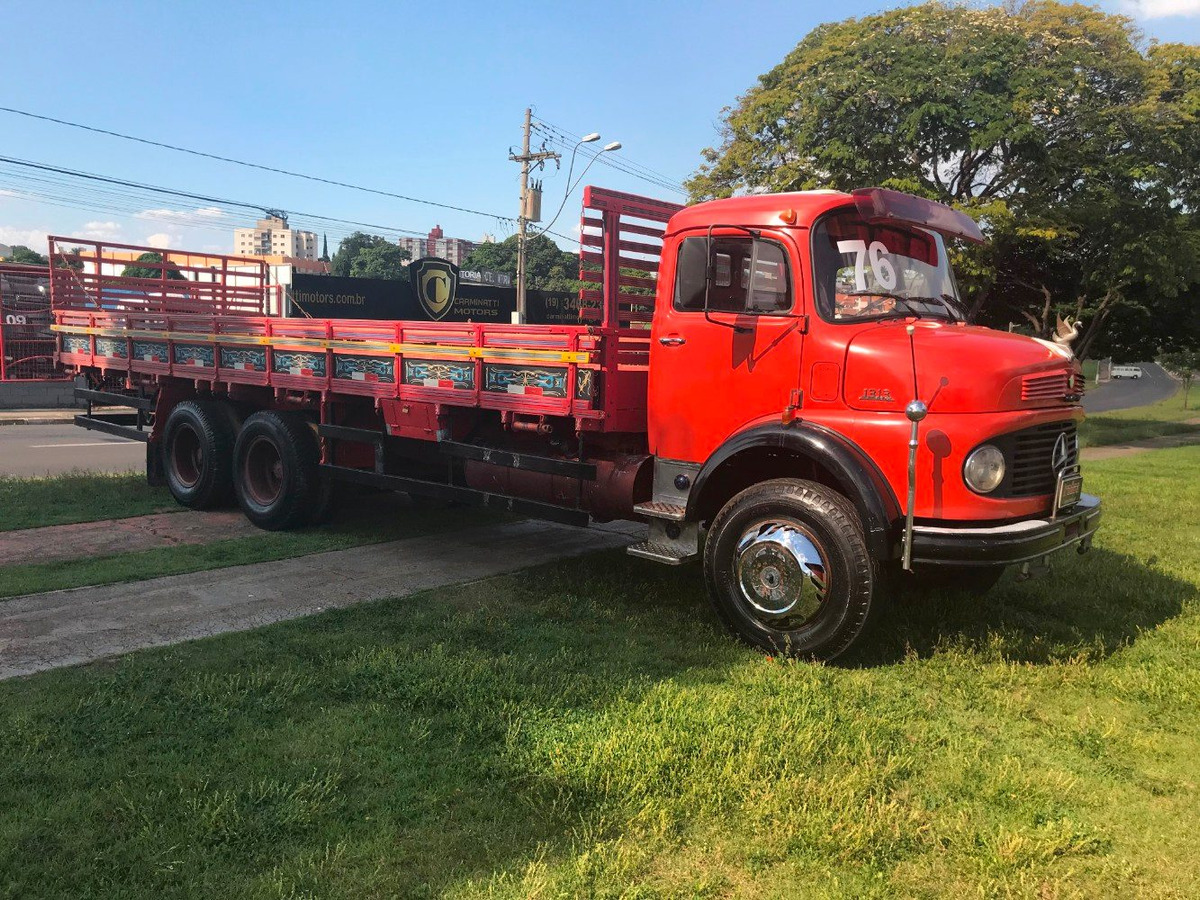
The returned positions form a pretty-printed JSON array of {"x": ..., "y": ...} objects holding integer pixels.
[{"x": 732, "y": 288}]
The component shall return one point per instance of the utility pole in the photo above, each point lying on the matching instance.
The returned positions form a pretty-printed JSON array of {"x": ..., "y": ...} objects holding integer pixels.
[{"x": 528, "y": 213}]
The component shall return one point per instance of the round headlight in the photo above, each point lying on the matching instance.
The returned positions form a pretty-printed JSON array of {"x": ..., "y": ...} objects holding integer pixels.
[{"x": 984, "y": 469}]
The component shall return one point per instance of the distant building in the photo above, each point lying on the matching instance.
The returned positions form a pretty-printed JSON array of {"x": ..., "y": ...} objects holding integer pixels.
[
  {"x": 272, "y": 237},
  {"x": 5, "y": 250},
  {"x": 437, "y": 244}
]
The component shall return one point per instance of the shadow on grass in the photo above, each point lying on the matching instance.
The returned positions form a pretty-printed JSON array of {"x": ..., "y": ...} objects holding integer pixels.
[
  {"x": 404, "y": 748},
  {"x": 1089, "y": 606}
]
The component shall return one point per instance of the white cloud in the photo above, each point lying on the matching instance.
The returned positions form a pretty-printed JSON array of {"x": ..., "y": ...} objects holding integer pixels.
[
  {"x": 33, "y": 238},
  {"x": 101, "y": 231},
  {"x": 204, "y": 212},
  {"x": 1161, "y": 9},
  {"x": 161, "y": 240}
]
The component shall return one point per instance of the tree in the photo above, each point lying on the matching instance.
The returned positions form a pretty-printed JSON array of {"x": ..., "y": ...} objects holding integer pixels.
[
  {"x": 324, "y": 248},
  {"x": 1075, "y": 150},
  {"x": 380, "y": 258},
  {"x": 155, "y": 271},
  {"x": 546, "y": 266},
  {"x": 24, "y": 256},
  {"x": 1185, "y": 364}
]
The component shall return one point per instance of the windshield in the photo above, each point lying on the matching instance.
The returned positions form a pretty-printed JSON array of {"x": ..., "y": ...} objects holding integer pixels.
[{"x": 869, "y": 271}]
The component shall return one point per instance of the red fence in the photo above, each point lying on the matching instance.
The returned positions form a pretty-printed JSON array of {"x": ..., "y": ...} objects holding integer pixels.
[
  {"x": 96, "y": 276},
  {"x": 26, "y": 341}
]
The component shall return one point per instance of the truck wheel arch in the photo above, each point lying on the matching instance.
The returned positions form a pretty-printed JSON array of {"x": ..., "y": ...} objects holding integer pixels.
[{"x": 808, "y": 450}]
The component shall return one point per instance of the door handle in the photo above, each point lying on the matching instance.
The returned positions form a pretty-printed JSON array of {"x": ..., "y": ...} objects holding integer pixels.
[{"x": 673, "y": 340}]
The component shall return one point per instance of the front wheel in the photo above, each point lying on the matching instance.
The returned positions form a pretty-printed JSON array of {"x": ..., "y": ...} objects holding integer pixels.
[{"x": 788, "y": 570}]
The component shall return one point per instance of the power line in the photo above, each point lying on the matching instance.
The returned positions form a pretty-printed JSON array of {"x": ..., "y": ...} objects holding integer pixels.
[
  {"x": 250, "y": 165},
  {"x": 173, "y": 192},
  {"x": 566, "y": 133},
  {"x": 623, "y": 163},
  {"x": 74, "y": 189}
]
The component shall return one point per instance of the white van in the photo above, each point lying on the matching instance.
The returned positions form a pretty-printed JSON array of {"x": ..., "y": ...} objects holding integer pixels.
[{"x": 1126, "y": 372}]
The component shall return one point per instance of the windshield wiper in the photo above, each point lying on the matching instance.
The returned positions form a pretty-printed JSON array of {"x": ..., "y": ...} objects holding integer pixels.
[{"x": 887, "y": 295}]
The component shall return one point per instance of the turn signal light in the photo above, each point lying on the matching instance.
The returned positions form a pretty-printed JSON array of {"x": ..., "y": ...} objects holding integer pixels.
[{"x": 788, "y": 216}]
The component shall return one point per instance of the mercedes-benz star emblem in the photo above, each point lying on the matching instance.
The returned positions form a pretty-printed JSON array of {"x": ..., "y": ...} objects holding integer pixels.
[{"x": 1062, "y": 452}]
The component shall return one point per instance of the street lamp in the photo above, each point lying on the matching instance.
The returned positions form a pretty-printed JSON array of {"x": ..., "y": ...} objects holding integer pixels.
[
  {"x": 587, "y": 139},
  {"x": 522, "y": 238}
]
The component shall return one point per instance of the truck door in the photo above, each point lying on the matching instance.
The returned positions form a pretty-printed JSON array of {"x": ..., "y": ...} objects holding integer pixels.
[{"x": 727, "y": 341}]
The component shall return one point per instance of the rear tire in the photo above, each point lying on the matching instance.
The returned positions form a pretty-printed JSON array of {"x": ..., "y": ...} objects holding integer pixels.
[
  {"x": 197, "y": 453},
  {"x": 276, "y": 474},
  {"x": 788, "y": 569}
]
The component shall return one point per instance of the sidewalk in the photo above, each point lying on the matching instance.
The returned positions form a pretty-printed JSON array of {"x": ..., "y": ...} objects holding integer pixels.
[
  {"x": 63, "y": 628},
  {"x": 50, "y": 416}
]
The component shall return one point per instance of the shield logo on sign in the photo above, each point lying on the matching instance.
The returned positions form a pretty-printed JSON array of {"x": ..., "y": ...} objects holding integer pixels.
[{"x": 436, "y": 282}]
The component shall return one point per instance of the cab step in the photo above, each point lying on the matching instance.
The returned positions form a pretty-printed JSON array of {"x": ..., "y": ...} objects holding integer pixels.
[
  {"x": 658, "y": 509},
  {"x": 670, "y": 554}
]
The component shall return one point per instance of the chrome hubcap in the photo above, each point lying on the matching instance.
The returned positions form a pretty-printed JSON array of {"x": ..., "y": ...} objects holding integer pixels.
[{"x": 782, "y": 574}]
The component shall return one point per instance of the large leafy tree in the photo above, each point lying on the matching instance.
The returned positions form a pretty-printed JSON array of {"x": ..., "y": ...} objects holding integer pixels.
[
  {"x": 1043, "y": 120},
  {"x": 148, "y": 271},
  {"x": 26, "y": 257},
  {"x": 362, "y": 255},
  {"x": 547, "y": 266}
]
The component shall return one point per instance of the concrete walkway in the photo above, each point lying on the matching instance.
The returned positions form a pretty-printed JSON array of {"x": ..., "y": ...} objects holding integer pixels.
[
  {"x": 1112, "y": 451},
  {"x": 63, "y": 628}
]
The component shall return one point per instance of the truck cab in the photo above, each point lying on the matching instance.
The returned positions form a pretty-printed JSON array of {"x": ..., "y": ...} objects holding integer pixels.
[{"x": 824, "y": 420}]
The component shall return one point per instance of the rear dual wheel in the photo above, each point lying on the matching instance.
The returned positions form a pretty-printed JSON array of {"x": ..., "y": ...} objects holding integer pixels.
[
  {"x": 788, "y": 569},
  {"x": 276, "y": 471},
  {"x": 197, "y": 450}
]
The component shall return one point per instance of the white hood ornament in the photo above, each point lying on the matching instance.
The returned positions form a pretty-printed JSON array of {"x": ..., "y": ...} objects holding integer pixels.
[{"x": 1065, "y": 331}]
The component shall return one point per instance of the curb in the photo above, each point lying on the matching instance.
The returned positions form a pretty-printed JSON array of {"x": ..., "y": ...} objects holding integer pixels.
[{"x": 39, "y": 420}]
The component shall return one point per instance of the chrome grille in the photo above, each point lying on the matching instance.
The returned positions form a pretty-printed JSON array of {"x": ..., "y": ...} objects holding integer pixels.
[{"x": 1032, "y": 469}]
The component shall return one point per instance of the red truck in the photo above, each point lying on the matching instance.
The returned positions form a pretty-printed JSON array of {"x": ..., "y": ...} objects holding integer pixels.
[{"x": 784, "y": 385}]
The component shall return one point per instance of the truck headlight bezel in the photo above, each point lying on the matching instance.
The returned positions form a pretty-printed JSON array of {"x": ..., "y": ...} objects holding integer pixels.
[{"x": 984, "y": 468}]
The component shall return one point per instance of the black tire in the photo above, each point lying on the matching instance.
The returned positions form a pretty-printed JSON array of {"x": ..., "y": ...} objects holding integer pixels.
[
  {"x": 754, "y": 548},
  {"x": 275, "y": 470},
  {"x": 197, "y": 453}
]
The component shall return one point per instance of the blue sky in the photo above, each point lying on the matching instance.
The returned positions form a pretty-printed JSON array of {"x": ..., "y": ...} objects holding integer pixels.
[{"x": 421, "y": 99}]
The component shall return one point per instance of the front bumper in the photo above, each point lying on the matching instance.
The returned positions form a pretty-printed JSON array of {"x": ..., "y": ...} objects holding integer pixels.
[{"x": 1004, "y": 545}]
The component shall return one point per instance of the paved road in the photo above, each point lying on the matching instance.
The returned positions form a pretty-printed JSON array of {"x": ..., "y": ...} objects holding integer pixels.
[
  {"x": 1123, "y": 393},
  {"x": 28, "y": 450},
  {"x": 63, "y": 628}
]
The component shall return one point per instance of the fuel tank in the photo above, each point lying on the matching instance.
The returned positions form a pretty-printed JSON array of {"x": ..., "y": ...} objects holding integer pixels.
[
  {"x": 959, "y": 368},
  {"x": 621, "y": 480}
]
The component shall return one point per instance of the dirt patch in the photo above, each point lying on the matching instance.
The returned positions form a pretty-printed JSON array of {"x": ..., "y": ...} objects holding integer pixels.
[
  {"x": 1113, "y": 451},
  {"x": 61, "y": 542}
]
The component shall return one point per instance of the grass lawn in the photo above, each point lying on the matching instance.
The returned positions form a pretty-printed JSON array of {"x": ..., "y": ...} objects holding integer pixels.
[
  {"x": 372, "y": 518},
  {"x": 1140, "y": 422},
  {"x": 77, "y": 497},
  {"x": 584, "y": 729}
]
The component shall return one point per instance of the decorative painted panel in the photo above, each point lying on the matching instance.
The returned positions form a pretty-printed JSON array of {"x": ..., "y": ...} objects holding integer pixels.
[
  {"x": 364, "y": 368},
  {"x": 194, "y": 355},
  {"x": 439, "y": 373},
  {"x": 247, "y": 360},
  {"x": 150, "y": 351},
  {"x": 528, "y": 380},
  {"x": 585, "y": 384},
  {"x": 72, "y": 343},
  {"x": 114, "y": 347},
  {"x": 288, "y": 362}
]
